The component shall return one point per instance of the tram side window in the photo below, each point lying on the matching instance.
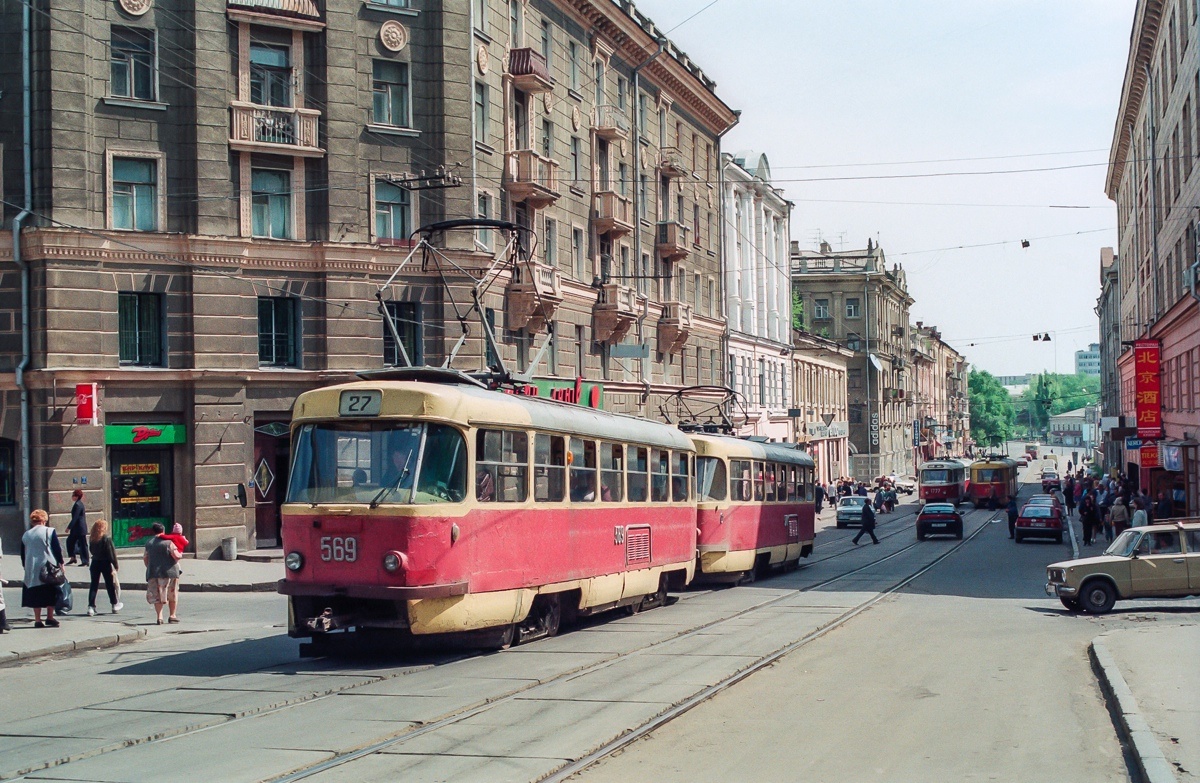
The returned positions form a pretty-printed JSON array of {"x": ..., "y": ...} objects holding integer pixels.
[
  {"x": 739, "y": 485},
  {"x": 711, "y": 478},
  {"x": 758, "y": 481},
  {"x": 660, "y": 475},
  {"x": 583, "y": 470},
  {"x": 501, "y": 466},
  {"x": 681, "y": 477},
  {"x": 639, "y": 480},
  {"x": 792, "y": 475},
  {"x": 549, "y": 468},
  {"x": 807, "y": 489},
  {"x": 781, "y": 478},
  {"x": 612, "y": 474},
  {"x": 769, "y": 481}
]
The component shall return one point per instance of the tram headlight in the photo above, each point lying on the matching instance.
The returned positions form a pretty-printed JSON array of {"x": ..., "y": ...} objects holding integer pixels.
[
  {"x": 294, "y": 561},
  {"x": 394, "y": 561}
]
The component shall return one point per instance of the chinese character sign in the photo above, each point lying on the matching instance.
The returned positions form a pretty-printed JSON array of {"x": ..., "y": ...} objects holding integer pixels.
[{"x": 1147, "y": 388}]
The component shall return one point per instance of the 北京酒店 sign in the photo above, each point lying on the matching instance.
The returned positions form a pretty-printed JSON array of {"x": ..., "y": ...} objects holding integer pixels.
[{"x": 1147, "y": 388}]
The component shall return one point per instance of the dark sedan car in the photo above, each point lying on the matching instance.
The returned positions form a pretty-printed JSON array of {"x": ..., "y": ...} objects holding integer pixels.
[
  {"x": 1042, "y": 521},
  {"x": 939, "y": 518}
]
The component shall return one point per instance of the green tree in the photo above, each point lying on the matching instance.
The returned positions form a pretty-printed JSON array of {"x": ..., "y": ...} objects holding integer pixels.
[
  {"x": 797, "y": 310},
  {"x": 992, "y": 412},
  {"x": 1050, "y": 394}
]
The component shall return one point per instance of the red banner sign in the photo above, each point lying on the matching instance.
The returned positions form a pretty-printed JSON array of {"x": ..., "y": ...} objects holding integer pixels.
[
  {"x": 1150, "y": 456},
  {"x": 1147, "y": 388},
  {"x": 86, "y": 409}
]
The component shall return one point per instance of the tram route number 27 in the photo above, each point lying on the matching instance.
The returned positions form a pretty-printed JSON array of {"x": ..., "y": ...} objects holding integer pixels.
[{"x": 338, "y": 549}]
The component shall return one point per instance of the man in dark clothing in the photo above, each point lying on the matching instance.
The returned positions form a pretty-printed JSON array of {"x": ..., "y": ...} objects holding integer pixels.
[
  {"x": 77, "y": 531},
  {"x": 1012, "y": 516},
  {"x": 819, "y": 495},
  {"x": 1162, "y": 507},
  {"x": 868, "y": 524},
  {"x": 861, "y": 491},
  {"x": 1069, "y": 495}
]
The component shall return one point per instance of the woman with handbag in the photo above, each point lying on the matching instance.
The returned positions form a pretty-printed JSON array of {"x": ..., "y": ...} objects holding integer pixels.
[{"x": 43, "y": 558}]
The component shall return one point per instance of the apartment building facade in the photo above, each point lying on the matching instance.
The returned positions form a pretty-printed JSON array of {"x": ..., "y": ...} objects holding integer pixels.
[
  {"x": 758, "y": 295},
  {"x": 821, "y": 399},
  {"x": 938, "y": 393},
  {"x": 1153, "y": 179},
  {"x": 220, "y": 189},
  {"x": 851, "y": 297}
]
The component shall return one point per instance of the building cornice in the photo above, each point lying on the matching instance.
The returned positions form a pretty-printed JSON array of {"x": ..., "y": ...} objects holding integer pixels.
[{"x": 1147, "y": 22}]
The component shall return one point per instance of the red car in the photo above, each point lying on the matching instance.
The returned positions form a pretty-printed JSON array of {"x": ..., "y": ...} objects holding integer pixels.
[
  {"x": 1050, "y": 480},
  {"x": 1040, "y": 521}
]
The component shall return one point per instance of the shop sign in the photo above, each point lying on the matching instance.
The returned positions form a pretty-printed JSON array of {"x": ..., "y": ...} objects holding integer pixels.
[
  {"x": 874, "y": 429},
  {"x": 144, "y": 434},
  {"x": 1133, "y": 444},
  {"x": 916, "y": 433},
  {"x": 1147, "y": 387},
  {"x": 1172, "y": 458},
  {"x": 816, "y": 429},
  {"x": 590, "y": 395},
  {"x": 839, "y": 429},
  {"x": 1150, "y": 456},
  {"x": 87, "y": 408}
]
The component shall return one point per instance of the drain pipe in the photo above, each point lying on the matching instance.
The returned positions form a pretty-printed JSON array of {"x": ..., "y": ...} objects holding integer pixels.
[{"x": 18, "y": 222}]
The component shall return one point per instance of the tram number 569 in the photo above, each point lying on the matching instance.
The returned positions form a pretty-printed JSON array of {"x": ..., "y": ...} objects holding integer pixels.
[{"x": 338, "y": 549}]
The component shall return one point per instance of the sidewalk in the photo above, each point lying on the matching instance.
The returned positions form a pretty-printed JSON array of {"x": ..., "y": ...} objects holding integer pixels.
[
  {"x": 199, "y": 576},
  {"x": 1150, "y": 676}
]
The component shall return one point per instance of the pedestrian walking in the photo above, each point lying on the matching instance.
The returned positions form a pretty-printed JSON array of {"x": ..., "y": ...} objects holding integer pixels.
[
  {"x": 868, "y": 524},
  {"x": 1118, "y": 516},
  {"x": 77, "y": 531},
  {"x": 818, "y": 496},
  {"x": 104, "y": 564},
  {"x": 1089, "y": 518},
  {"x": 162, "y": 574},
  {"x": 1139, "y": 518},
  {"x": 3, "y": 611},
  {"x": 1013, "y": 513},
  {"x": 42, "y": 556},
  {"x": 1162, "y": 507},
  {"x": 1068, "y": 492}
]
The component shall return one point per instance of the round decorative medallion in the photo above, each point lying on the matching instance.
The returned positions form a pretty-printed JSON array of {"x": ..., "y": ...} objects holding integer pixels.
[
  {"x": 135, "y": 7},
  {"x": 548, "y": 101},
  {"x": 575, "y": 117},
  {"x": 482, "y": 60},
  {"x": 393, "y": 36}
]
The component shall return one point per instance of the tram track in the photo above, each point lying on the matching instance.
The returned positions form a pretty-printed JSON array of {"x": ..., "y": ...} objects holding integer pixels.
[{"x": 682, "y": 707}]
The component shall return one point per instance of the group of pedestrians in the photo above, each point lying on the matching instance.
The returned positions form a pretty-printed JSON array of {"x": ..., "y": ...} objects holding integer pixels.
[{"x": 45, "y": 588}]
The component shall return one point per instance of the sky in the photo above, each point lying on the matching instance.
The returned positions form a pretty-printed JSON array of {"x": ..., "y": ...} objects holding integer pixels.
[{"x": 831, "y": 89}]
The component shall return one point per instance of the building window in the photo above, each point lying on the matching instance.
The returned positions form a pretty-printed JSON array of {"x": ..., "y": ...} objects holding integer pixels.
[
  {"x": 514, "y": 23},
  {"x": 277, "y": 331},
  {"x": 407, "y": 318},
  {"x": 577, "y": 253},
  {"x": 481, "y": 112},
  {"x": 854, "y": 379},
  {"x": 623, "y": 178},
  {"x": 271, "y": 203},
  {"x": 547, "y": 40},
  {"x": 621, "y": 89},
  {"x": 853, "y": 342},
  {"x": 140, "y": 329},
  {"x": 599, "y": 83},
  {"x": 390, "y": 94},
  {"x": 270, "y": 75},
  {"x": 393, "y": 212},
  {"x": 547, "y": 138},
  {"x": 852, "y": 308},
  {"x": 480, "y": 8},
  {"x": 485, "y": 213},
  {"x": 643, "y": 197},
  {"x": 573, "y": 71},
  {"x": 856, "y": 414},
  {"x": 131, "y": 64},
  {"x": 393, "y": 3},
  {"x": 7, "y": 474},
  {"x": 576, "y": 161},
  {"x": 550, "y": 242},
  {"x": 643, "y": 281},
  {"x": 135, "y": 194},
  {"x": 493, "y": 361},
  {"x": 662, "y": 127},
  {"x": 580, "y": 351},
  {"x": 643, "y": 99}
]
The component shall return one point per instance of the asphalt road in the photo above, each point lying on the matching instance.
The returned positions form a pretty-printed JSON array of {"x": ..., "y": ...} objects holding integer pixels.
[{"x": 967, "y": 671}]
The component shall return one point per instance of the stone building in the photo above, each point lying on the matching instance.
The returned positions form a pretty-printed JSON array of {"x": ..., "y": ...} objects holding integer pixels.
[
  {"x": 819, "y": 380},
  {"x": 852, "y": 298},
  {"x": 1156, "y": 187},
  {"x": 1108, "y": 310},
  {"x": 218, "y": 189},
  {"x": 938, "y": 393},
  {"x": 758, "y": 295}
]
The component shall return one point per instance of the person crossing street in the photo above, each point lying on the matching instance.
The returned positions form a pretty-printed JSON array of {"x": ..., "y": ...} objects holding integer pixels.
[{"x": 868, "y": 524}]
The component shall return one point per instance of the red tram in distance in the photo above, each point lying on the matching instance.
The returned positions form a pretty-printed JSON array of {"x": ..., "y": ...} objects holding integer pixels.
[
  {"x": 423, "y": 503},
  {"x": 944, "y": 481},
  {"x": 755, "y": 506},
  {"x": 993, "y": 481}
]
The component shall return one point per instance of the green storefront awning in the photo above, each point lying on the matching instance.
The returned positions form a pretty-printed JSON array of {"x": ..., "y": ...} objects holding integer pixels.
[{"x": 144, "y": 434}]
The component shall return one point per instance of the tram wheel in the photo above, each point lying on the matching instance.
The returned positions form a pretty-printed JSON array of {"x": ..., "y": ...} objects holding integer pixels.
[
  {"x": 500, "y": 638},
  {"x": 543, "y": 621},
  {"x": 658, "y": 598}
]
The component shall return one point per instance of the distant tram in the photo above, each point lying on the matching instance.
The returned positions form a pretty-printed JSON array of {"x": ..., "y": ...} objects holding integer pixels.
[
  {"x": 944, "y": 481},
  {"x": 755, "y": 506},
  {"x": 423, "y": 503},
  {"x": 993, "y": 480}
]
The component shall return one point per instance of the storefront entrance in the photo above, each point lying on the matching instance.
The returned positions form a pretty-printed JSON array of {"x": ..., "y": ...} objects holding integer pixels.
[
  {"x": 141, "y": 479},
  {"x": 272, "y": 458}
]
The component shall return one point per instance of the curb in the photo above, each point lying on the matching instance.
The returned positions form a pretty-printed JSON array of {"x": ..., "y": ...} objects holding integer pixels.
[
  {"x": 197, "y": 587},
  {"x": 81, "y": 645},
  {"x": 1151, "y": 762}
]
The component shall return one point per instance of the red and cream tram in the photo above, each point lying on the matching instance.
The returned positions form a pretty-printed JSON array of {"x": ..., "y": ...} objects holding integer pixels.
[
  {"x": 944, "y": 481},
  {"x": 755, "y": 506},
  {"x": 993, "y": 481},
  {"x": 423, "y": 502}
]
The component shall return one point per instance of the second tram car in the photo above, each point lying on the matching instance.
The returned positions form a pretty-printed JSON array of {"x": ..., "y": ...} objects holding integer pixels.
[
  {"x": 420, "y": 501},
  {"x": 993, "y": 480},
  {"x": 755, "y": 506},
  {"x": 944, "y": 481}
]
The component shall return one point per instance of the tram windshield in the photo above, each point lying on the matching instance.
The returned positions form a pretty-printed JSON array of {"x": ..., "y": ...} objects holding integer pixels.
[
  {"x": 934, "y": 476},
  {"x": 711, "y": 478},
  {"x": 378, "y": 462},
  {"x": 989, "y": 475}
]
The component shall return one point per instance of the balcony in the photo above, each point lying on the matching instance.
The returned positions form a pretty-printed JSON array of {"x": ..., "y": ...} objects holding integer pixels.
[
  {"x": 529, "y": 71},
  {"x": 533, "y": 296},
  {"x": 671, "y": 241},
  {"x": 892, "y": 393},
  {"x": 616, "y": 310},
  {"x": 531, "y": 178},
  {"x": 670, "y": 162},
  {"x": 611, "y": 123},
  {"x": 614, "y": 214},
  {"x": 278, "y": 129},
  {"x": 674, "y": 327}
]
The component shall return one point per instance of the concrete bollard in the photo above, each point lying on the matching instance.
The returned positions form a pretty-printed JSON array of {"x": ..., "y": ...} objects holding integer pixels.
[{"x": 229, "y": 548}]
